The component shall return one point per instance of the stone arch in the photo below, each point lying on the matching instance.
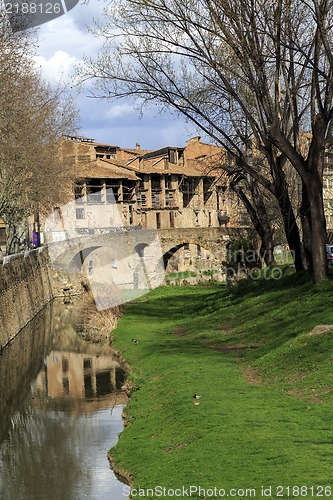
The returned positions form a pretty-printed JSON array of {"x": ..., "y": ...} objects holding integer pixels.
[
  {"x": 175, "y": 247},
  {"x": 80, "y": 257},
  {"x": 140, "y": 249},
  {"x": 170, "y": 253}
]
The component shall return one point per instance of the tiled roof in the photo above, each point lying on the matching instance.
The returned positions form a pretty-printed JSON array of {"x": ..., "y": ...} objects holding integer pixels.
[
  {"x": 189, "y": 169},
  {"x": 104, "y": 169},
  {"x": 137, "y": 152}
]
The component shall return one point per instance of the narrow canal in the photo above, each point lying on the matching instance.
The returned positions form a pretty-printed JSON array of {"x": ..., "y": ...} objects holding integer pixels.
[{"x": 61, "y": 406}]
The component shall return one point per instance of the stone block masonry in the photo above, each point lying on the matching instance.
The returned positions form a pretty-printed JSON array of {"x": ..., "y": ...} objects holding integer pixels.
[{"x": 25, "y": 288}]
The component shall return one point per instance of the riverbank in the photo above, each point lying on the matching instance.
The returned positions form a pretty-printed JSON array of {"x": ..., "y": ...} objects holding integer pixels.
[{"x": 264, "y": 419}]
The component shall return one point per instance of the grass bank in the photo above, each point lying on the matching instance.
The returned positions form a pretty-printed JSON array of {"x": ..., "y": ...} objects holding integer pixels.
[{"x": 265, "y": 416}]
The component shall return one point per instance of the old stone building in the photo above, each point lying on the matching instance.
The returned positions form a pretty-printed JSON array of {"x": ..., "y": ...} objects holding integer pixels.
[
  {"x": 172, "y": 187},
  {"x": 165, "y": 188}
]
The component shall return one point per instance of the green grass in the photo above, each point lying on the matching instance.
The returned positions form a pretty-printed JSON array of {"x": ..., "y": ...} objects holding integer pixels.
[
  {"x": 181, "y": 274},
  {"x": 265, "y": 418}
]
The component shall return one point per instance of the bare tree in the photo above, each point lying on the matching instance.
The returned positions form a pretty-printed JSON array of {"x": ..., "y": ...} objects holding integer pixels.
[
  {"x": 267, "y": 63},
  {"x": 33, "y": 117},
  {"x": 248, "y": 191}
]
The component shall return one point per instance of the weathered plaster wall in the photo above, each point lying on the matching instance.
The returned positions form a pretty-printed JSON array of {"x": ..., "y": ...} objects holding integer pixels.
[{"x": 25, "y": 288}]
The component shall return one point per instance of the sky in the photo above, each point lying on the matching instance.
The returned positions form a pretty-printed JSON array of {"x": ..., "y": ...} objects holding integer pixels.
[{"x": 62, "y": 44}]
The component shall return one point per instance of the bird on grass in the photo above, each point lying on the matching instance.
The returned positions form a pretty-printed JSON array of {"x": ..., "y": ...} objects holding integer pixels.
[
  {"x": 196, "y": 396},
  {"x": 135, "y": 341}
]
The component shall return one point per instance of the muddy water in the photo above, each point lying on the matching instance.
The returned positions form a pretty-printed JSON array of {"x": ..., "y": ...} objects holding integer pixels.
[{"x": 61, "y": 404}]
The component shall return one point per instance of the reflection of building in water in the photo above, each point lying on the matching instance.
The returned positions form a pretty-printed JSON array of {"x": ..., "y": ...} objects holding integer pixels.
[{"x": 79, "y": 375}]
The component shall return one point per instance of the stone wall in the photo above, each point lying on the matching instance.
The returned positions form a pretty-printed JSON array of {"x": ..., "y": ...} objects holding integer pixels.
[
  {"x": 25, "y": 288},
  {"x": 27, "y": 284},
  {"x": 67, "y": 284}
]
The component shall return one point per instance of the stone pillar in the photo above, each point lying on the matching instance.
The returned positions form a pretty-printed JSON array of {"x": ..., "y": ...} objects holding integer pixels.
[{"x": 113, "y": 378}]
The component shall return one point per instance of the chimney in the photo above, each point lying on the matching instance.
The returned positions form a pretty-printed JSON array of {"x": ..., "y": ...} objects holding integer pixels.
[
  {"x": 137, "y": 146},
  {"x": 194, "y": 139}
]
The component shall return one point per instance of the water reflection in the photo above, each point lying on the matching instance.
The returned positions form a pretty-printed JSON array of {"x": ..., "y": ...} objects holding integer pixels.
[{"x": 62, "y": 403}]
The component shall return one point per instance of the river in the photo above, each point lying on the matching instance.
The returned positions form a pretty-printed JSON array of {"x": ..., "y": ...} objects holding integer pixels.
[{"x": 61, "y": 407}]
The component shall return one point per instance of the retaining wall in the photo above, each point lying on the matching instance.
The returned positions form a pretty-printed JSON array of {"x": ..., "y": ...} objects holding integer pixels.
[{"x": 25, "y": 288}]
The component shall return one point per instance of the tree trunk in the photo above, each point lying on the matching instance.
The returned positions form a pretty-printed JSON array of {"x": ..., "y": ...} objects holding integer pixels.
[
  {"x": 314, "y": 184},
  {"x": 318, "y": 225},
  {"x": 258, "y": 215},
  {"x": 305, "y": 213},
  {"x": 267, "y": 249},
  {"x": 16, "y": 236},
  {"x": 290, "y": 224},
  {"x": 267, "y": 244}
]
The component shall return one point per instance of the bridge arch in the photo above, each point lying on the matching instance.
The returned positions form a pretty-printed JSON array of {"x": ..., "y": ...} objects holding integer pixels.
[
  {"x": 200, "y": 252},
  {"x": 80, "y": 257},
  {"x": 170, "y": 253},
  {"x": 140, "y": 249}
]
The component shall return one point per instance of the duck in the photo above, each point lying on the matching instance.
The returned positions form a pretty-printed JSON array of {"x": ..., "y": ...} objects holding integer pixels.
[
  {"x": 196, "y": 396},
  {"x": 135, "y": 341}
]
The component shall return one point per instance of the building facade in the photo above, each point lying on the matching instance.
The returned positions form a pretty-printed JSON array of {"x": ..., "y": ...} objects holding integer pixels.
[{"x": 171, "y": 187}]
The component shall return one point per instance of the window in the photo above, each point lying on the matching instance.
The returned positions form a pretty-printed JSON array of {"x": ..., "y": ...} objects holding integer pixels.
[
  {"x": 128, "y": 190},
  {"x": 180, "y": 157},
  {"x": 141, "y": 185},
  {"x": 155, "y": 199},
  {"x": 65, "y": 385},
  {"x": 329, "y": 161},
  {"x": 112, "y": 191},
  {"x": 207, "y": 184},
  {"x": 169, "y": 199},
  {"x": 168, "y": 184},
  {"x": 155, "y": 183},
  {"x": 78, "y": 193},
  {"x": 94, "y": 190},
  {"x": 80, "y": 214},
  {"x": 172, "y": 156},
  {"x": 141, "y": 199},
  {"x": 188, "y": 188},
  {"x": 64, "y": 365},
  {"x": 87, "y": 363},
  {"x": 88, "y": 387},
  {"x": 172, "y": 219},
  {"x": 158, "y": 220}
]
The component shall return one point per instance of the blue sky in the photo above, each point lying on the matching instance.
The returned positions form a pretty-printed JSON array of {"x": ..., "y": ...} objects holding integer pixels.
[{"x": 62, "y": 44}]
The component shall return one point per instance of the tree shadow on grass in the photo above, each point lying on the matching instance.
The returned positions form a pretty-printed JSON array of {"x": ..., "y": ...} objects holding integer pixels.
[{"x": 265, "y": 314}]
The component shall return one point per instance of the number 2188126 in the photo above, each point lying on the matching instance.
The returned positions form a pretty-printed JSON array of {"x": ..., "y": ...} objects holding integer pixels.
[{"x": 33, "y": 8}]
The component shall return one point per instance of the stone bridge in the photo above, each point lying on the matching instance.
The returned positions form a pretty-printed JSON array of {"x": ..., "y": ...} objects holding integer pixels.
[
  {"x": 213, "y": 239},
  {"x": 127, "y": 262},
  {"x": 70, "y": 254}
]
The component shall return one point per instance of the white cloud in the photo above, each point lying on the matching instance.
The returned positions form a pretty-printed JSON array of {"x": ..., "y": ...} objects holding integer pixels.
[
  {"x": 119, "y": 111},
  {"x": 62, "y": 44},
  {"x": 59, "y": 67}
]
